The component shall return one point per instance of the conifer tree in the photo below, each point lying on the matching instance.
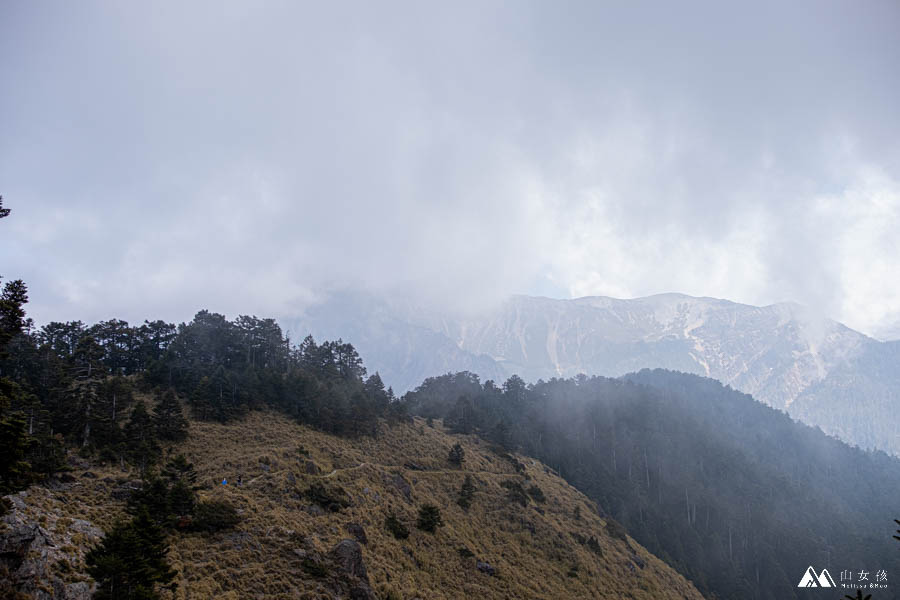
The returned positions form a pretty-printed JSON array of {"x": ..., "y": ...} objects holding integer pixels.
[
  {"x": 429, "y": 518},
  {"x": 202, "y": 399},
  {"x": 143, "y": 450},
  {"x": 168, "y": 420},
  {"x": 15, "y": 471},
  {"x": 179, "y": 469},
  {"x": 130, "y": 563}
]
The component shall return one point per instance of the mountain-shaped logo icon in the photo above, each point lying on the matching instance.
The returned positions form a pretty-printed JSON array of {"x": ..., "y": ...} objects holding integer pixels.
[{"x": 810, "y": 579}]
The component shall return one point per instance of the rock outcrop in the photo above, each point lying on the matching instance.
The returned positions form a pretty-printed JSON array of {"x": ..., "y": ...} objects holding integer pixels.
[{"x": 42, "y": 553}]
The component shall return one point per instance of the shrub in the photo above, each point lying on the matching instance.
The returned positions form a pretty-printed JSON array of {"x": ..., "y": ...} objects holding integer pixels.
[
  {"x": 395, "y": 527},
  {"x": 429, "y": 518}
]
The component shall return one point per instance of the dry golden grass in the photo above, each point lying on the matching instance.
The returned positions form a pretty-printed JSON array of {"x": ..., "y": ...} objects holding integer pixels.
[{"x": 258, "y": 558}]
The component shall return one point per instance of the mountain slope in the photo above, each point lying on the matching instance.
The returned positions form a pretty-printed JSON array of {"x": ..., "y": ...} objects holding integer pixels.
[
  {"x": 736, "y": 496},
  {"x": 540, "y": 550},
  {"x": 780, "y": 353}
]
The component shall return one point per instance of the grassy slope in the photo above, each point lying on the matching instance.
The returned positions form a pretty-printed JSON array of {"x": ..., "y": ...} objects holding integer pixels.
[{"x": 258, "y": 560}]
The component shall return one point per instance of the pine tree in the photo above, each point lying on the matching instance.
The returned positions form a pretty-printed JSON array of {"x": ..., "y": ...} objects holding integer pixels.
[
  {"x": 181, "y": 476},
  {"x": 202, "y": 399},
  {"x": 396, "y": 527},
  {"x": 12, "y": 314},
  {"x": 141, "y": 446},
  {"x": 179, "y": 469},
  {"x": 15, "y": 471},
  {"x": 130, "y": 563},
  {"x": 429, "y": 518},
  {"x": 89, "y": 358},
  {"x": 168, "y": 420}
]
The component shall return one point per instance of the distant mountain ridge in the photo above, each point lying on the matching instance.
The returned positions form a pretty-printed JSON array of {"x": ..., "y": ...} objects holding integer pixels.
[{"x": 783, "y": 354}]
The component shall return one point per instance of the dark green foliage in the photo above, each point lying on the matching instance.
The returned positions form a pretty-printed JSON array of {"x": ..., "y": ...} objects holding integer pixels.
[
  {"x": 181, "y": 499},
  {"x": 179, "y": 469},
  {"x": 142, "y": 446},
  {"x": 15, "y": 471},
  {"x": 457, "y": 455},
  {"x": 594, "y": 546},
  {"x": 130, "y": 562},
  {"x": 429, "y": 518},
  {"x": 395, "y": 527},
  {"x": 330, "y": 499},
  {"x": 153, "y": 498},
  {"x": 733, "y": 494},
  {"x": 536, "y": 494},
  {"x": 858, "y": 596},
  {"x": 466, "y": 493},
  {"x": 168, "y": 419},
  {"x": 72, "y": 383},
  {"x": 214, "y": 515},
  {"x": 461, "y": 419},
  {"x": 465, "y": 553},
  {"x": 12, "y": 312},
  {"x": 171, "y": 501},
  {"x": 573, "y": 571},
  {"x": 516, "y": 493}
]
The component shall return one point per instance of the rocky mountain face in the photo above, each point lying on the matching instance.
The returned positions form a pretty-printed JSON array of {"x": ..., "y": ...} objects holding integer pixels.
[
  {"x": 42, "y": 548},
  {"x": 785, "y": 355}
]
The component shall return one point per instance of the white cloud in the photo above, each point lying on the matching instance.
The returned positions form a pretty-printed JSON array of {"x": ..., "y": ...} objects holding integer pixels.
[{"x": 160, "y": 160}]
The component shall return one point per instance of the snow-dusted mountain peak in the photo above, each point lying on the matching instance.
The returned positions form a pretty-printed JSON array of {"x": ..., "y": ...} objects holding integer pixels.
[{"x": 784, "y": 354}]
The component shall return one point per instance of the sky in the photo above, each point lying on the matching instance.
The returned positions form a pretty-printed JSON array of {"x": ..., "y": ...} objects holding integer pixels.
[{"x": 164, "y": 157}]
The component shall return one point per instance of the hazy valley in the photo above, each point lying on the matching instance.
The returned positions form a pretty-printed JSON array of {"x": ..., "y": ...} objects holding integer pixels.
[{"x": 784, "y": 355}]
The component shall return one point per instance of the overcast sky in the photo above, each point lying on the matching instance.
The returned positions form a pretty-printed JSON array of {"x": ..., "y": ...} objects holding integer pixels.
[{"x": 247, "y": 157}]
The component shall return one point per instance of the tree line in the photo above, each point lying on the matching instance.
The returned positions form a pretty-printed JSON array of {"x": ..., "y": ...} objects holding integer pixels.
[{"x": 70, "y": 385}]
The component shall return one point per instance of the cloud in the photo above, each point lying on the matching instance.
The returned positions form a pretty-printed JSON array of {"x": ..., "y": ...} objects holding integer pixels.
[{"x": 168, "y": 157}]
